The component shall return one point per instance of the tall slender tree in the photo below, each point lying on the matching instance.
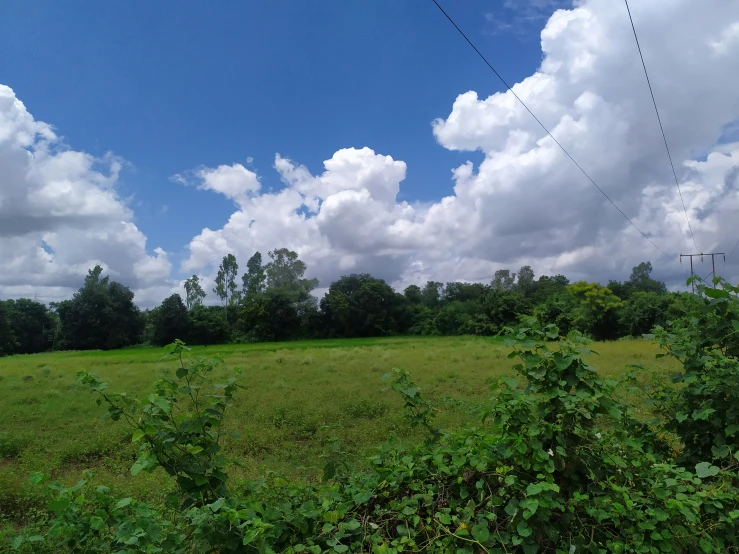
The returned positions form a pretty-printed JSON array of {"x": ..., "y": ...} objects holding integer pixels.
[
  {"x": 194, "y": 293},
  {"x": 255, "y": 277},
  {"x": 225, "y": 287}
]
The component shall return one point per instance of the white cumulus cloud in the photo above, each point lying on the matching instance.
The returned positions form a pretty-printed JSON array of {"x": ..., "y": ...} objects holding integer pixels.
[
  {"x": 526, "y": 202},
  {"x": 60, "y": 214}
]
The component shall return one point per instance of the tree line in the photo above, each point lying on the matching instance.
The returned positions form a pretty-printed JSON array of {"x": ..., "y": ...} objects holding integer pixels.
[{"x": 272, "y": 301}]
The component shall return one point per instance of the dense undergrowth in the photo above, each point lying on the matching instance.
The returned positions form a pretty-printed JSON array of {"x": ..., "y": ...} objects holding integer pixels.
[{"x": 554, "y": 462}]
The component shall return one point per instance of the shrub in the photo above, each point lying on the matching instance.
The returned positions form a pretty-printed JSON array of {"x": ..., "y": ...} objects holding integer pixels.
[{"x": 704, "y": 410}]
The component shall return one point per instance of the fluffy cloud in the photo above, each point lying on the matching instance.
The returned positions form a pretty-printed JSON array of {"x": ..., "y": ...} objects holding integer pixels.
[
  {"x": 526, "y": 202},
  {"x": 60, "y": 214},
  {"x": 233, "y": 181}
]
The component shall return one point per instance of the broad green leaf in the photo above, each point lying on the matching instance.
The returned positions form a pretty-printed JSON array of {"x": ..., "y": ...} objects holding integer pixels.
[
  {"x": 352, "y": 524},
  {"x": 138, "y": 434},
  {"x": 533, "y": 489},
  {"x": 715, "y": 293},
  {"x": 705, "y": 469},
  {"x": 444, "y": 519},
  {"x": 37, "y": 478},
  {"x": 122, "y": 503},
  {"x": 215, "y": 506},
  {"x": 523, "y": 529},
  {"x": 706, "y": 546},
  {"x": 480, "y": 532},
  {"x": 17, "y": 542}
]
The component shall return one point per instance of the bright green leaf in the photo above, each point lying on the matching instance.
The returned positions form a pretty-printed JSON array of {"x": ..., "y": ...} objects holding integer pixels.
[
  {"x": 122, "y": 503},
  {"x": 480, "y": 532},
  {"x": 705, "y": 469}
]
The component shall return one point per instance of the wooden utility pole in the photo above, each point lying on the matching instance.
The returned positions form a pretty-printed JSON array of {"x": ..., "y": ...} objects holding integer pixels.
[{"x": 713, "y": 264}]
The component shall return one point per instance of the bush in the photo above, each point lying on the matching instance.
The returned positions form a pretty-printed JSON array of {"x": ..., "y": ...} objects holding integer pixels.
[{"x": 704, "y": 409}]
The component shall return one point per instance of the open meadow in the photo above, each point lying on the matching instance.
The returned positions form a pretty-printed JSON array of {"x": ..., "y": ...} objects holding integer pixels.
[{"x": 297, "y": 397}]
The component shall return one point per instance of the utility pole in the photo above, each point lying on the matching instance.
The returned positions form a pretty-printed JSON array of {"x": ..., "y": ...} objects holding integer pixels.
[{"x": 713, "y": 264}]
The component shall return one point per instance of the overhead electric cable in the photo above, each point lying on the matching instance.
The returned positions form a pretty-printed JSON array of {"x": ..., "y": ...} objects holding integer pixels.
[
  {"x": 661, "y": 128},
  {"x": 484, "y": 59}
]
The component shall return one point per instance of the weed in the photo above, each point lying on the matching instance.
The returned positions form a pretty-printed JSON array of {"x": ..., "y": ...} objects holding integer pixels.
[{"x": 365, "y": 409}]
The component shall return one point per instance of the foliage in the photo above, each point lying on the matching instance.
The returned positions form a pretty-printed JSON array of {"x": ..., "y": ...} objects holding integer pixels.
[
  {"x": 169, "y": 321},
  {"x": 272, "y": 316},
  {"x": 502, "y": 307},
  {"x": 7, "y": 337},
  {"x": 597, "y": 314},
  {"x": 503, "y": 280},
  {"x": 194, "y": 293},
  {"x": 225, "y": 288},
  {"x": 704, "y": 409},
  {"x": 559, "y": 309},
  {"x": 275, "y": 303},
  {"x": 643, "y": 311},
  {"x": 285, "y": 273},
  {"x": 431, "y": 294},
  {"x": 453, "y": 317},
  {"x": 206, "y": 325},
  {"x": 255, "y": 277},
  {"x": 556, "y": 465},
  {"x": 101, "y": 315},
  {"x": 179, "y": 426},
  {"x": 413, "y": 294},
  {"x": 361, "y": 306}
]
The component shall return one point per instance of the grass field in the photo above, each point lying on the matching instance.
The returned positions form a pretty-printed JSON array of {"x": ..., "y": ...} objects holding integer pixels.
[{"x": 297, "y": 397}]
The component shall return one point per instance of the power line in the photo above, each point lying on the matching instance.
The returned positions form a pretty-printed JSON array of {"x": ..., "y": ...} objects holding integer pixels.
[
  {"x": 661, "y": 128},
  {"x": 547, "y": 131},
  {"x": 734, "y": 249}
]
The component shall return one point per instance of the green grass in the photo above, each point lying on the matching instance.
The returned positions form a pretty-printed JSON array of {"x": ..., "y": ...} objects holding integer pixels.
[{"x": 297, "y": 396}]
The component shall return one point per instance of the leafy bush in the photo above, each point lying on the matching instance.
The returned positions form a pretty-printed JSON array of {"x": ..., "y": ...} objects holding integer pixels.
[{"x": 704, "y": 410}]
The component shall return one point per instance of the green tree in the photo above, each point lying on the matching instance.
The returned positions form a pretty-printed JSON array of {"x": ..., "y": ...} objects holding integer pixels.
[
  {"x": 7, "y": 338},
  {"x": 503, "y": 279},
  {"x": 560, "y": 309},
  {"x": 455, "y": 317},
  {"x": 255, "y": 278},
  {"x": 546, "y": 286},
  {"x": 431, "y": 294},
  {"x": 225, "y": 287},
  {"x": 597, "y": 312},
  {"x": 194, "y": 293},
  {"x": 272, "y": 316},
  {"x": 361, "y": 306},
  {"x": 170, "y": 321},
  {"x": 413, "y": 294},
  {"x": 643, "y": 311},
  {"x": 503, "y": 307},
  {"x": 101, "y": 315},
  {"x": 32, "y": 324},
  {"x": 285, "y": 272},
  {"x": 462, "y": 292},
  {"x": 207, "y": 326},
  {"x": 641, "y": 280},
  {"x": 525, "y": 280}
]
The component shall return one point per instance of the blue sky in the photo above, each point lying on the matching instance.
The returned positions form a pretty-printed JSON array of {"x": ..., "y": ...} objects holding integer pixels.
[
  {"x": 172, "y": 85},
  {"x": 213, "y": 92}
]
